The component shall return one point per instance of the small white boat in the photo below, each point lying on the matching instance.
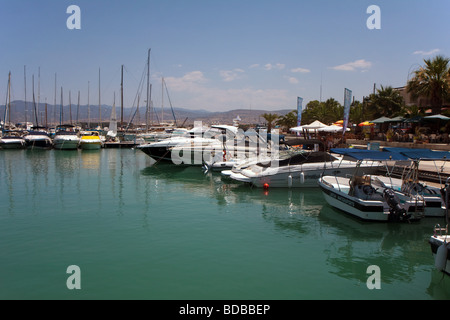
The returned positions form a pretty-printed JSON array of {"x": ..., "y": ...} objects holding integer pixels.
[
  {"x": 38, "y": 139},
  {"x": 359, "y": 197},
  {"x": 300, "y": 169},
  {"x": 90, "y": 140},
  {"x": 65, "y": 138},
  {"x": 12, "y": 140},
  {"x": 440, "y": 248},
  {"x": 440, "y": 240}
]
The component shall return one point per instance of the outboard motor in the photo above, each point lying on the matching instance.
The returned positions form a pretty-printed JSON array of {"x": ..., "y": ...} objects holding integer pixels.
[{"x": 397, "y": 212}]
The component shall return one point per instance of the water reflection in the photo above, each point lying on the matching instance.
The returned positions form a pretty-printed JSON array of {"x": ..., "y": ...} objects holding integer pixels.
[
  {"x": 400, "y": 250},
  {"x": 349, "y": 246},
  {"x": 122, "y": 183},
  {"x": 90, "y": 159}
]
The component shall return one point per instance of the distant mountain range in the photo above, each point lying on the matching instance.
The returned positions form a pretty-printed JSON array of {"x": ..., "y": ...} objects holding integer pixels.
[{"x": 21, "y": 112}]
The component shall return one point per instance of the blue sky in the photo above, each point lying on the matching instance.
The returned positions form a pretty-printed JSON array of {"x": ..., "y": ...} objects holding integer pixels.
[{"x": 218, "y": 55}]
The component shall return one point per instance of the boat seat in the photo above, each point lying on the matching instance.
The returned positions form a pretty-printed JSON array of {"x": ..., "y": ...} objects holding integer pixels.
[{"x": 361, "y": 187}]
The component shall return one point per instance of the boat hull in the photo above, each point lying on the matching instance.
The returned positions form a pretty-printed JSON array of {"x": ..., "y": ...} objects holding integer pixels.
[
  {"x": 373, "y": 211},
  {"x": 90, "y": 145},
  {"x": 13, "y": 143},
  {"x": 305, "y": 176},
  {"x": 66, "y": 144},
  {"x": 369, "y": 209},
  {"x": 157, "y": 153},
  {"x": 39, "y": 142},
  {"x": 443, "y": 263}
]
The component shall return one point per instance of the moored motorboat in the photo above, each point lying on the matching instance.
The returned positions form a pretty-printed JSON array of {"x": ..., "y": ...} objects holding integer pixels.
[
  {"x": 440, "y": 248},
  {"x": 90, "y": 140},
  {"x": 12, "y": 140},
  {"x": 200, "y": 145},
  {"x": 38, "y": 139},
  {"x": 359, "y": 197},
  {"x": 299, "y": 169},
  {"x": 440, "y": 240},
  {"x": 66, "y": 138}
]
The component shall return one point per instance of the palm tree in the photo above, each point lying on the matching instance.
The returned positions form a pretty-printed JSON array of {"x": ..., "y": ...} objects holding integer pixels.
[
  {"x": 412, "y": 111},
  {"x": 270, "y": 118},
  {"x": 288, "y": 121},
  {"x": 432, "y": 81},
  {"x": 386, "y": 102},
  {"x": 357, "y": 114}
]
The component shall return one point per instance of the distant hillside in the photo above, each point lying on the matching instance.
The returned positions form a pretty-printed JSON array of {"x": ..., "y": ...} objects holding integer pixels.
[{"x": 18, "y": 114}]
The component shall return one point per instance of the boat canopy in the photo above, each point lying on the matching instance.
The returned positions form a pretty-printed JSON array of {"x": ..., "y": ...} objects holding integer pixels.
[
  {"x": 393, "y": 154},
  {"x": 421, "y": 154},
  {"x": 363, "y": 154}
]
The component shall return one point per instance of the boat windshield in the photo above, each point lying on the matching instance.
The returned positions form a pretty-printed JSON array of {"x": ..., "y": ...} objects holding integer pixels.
[{"x": 302, "y": 157}]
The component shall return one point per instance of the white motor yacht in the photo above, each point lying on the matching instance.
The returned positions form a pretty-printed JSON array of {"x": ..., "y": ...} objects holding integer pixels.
[
  {"x": 66, "y": 138},
  {"x": 12, "y": 140},
  {"x": 298, "y": 169},
  {"x": 201, "y": 145},
  {"x": 38, "y": 139}
]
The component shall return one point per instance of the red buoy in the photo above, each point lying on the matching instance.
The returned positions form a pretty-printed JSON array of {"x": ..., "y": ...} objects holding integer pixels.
[{"x": 266, "y": 186}]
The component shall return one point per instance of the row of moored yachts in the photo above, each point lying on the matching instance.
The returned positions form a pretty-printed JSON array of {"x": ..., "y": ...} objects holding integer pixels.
[
  {"x": 64, "y": 139},
  {"x": 349, "y": 178}
]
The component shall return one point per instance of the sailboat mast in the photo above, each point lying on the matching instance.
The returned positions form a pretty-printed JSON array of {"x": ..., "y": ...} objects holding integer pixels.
[
  {"x": 78, "y": 107},
  {"x": 99, "y": 102},
  {"x": 61, "y": 110},
  {"x": 25, "y": 86},
  {"x": 89, "y": 110},
  {"x": 148, "y": 94},
  {"x": 54, "y": 104},
  {"x": 9, "y": 99},
  {"x": 121, "y": 99},
  {"x": 70, "y": 108},
  {"x": 46, "y": 120},
  {"x": 39, "y": 88},
  {"x": 162, "y": 99},
  {"x": 34, "y": 103}
]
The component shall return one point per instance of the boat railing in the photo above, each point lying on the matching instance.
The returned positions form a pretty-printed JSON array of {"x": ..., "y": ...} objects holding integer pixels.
[{"x": 438, "y": 228}]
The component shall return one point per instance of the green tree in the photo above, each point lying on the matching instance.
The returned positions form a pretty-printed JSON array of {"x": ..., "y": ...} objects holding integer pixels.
[
  {"x": 386, "y": 102},
  {"x": 357, "y": 114},
  {"x": 432, "y": 81},
  {"x": 412, "y": 111},
  {"x": 270, "y": 118},
  {"x": 288, "y": 121},
  {"x": 326, "y": 112}
]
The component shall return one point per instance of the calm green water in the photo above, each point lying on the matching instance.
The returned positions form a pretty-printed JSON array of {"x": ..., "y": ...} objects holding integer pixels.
[{"x": 137, "y": 231}]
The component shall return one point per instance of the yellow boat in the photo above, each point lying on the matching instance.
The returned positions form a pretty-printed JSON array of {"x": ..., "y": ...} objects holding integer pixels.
[{"x": 90, "y": 140}]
